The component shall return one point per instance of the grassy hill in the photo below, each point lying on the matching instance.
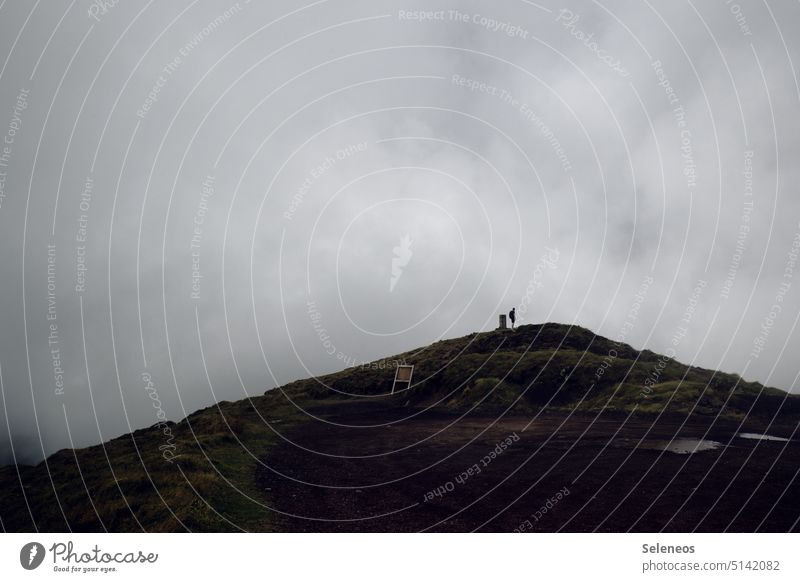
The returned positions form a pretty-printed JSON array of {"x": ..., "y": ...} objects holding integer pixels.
[
  {"x": 127, "y": 484},
  {"x": 559, "y": 367}
]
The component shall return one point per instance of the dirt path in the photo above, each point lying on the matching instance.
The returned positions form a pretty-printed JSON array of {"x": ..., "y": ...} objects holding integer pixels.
[{"x": 473, "y": 475}]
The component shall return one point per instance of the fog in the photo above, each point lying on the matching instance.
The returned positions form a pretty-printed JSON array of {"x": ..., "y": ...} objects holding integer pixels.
[{"x": 224, "y": 197}]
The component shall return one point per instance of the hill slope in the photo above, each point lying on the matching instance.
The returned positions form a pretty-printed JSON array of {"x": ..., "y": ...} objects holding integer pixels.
[
  {"x": 557, "y": 366},
  {"x": 129, "y": 484}
]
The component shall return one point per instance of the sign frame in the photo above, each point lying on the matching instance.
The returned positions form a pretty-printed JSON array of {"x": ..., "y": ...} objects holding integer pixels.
[{"x": 401, "y": 378}]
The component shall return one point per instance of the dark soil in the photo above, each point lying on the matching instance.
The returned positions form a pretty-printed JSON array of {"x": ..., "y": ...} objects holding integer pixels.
[{"x": 614, "y": 482}]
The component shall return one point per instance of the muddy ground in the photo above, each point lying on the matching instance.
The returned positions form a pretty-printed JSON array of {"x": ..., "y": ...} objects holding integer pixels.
[{"x": 371, "y": 468}]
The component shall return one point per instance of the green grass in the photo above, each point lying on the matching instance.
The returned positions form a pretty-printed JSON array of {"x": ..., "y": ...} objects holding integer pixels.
[{"x": 129, "y": 485}]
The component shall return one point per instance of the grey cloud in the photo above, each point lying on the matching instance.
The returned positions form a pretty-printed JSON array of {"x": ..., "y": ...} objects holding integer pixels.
[{"x": 558, "y": 150}]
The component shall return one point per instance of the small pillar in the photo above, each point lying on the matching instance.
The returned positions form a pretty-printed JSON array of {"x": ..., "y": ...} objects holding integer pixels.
[{"x": 503, "y": 321}]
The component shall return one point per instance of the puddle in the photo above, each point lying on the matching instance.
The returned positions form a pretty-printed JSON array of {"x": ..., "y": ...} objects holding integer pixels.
[
  {"x": 761, "y": 437},
  {"x": 682, "y": 446}
]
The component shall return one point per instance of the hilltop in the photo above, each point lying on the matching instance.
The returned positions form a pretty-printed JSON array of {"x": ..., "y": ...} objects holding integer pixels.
[
  {"x": 555, "y": 366},
  {"x": 239, "y": 466}
]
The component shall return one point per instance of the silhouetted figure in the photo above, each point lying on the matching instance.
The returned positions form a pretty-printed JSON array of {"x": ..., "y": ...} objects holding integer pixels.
[{"x": 512, "y": 315}]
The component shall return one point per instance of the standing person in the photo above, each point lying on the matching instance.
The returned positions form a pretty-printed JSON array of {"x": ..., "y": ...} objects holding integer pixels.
[{"x": 512, "y": 315}]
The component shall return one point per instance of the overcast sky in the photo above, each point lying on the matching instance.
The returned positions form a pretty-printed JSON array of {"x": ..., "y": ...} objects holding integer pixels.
[{"x": 242, "y": 194}]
